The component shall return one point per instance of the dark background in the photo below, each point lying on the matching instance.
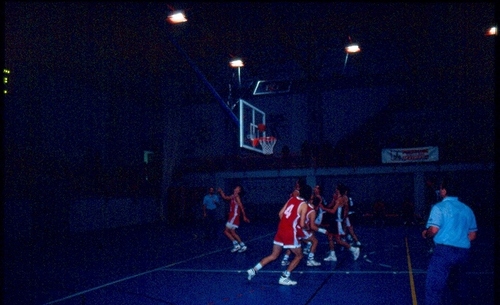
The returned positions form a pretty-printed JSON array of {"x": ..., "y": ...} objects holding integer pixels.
[{"x": 94, "y": 85}]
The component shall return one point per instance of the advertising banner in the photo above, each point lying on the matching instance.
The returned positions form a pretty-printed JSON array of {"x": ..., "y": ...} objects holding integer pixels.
[{"x": 405, "y": 155}]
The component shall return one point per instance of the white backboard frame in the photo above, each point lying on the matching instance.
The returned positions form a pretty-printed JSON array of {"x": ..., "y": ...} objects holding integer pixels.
[{"x": 250, "y": 117}]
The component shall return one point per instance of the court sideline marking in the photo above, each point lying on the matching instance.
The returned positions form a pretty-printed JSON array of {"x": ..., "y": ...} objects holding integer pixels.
[
  {"x": 331, "y": 272},
  {"x": 144, "y": 273},
  {"x": 410, "y": 274}
]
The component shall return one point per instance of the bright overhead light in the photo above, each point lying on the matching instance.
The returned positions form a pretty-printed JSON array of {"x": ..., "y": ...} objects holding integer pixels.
[
  {"x": 177, "y": 17},
  {"x": 236, "y": 63},
  {"x": 352, "y": 48},
  {"x": 491, "y": 31}
]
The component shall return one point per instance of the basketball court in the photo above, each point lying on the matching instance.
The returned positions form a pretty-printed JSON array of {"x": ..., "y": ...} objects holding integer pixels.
[{"x": 155, "y": 264}]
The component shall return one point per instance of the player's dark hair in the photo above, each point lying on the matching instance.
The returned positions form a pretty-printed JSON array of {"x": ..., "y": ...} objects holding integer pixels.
[
  {"x": 320, "y": 188},
  {"x": 316, "y": 201},
  {"x": 242, "y": 190},
  {"x": 342, "y": 188},
  {"x": 301, "y": 182},
  {"x": 448, "y": 184},
  {"x": 305, "y": 192}
]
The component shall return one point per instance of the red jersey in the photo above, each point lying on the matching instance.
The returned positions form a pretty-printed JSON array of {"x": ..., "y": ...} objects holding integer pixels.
[
  {"x": 289, "y": 229},
  {"x": 234, "y": 212},
  {"x": 307, "y": 233}
]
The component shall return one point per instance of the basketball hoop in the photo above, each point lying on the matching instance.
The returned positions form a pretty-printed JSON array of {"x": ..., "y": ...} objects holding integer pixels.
[{"x": 267, "y": 144}]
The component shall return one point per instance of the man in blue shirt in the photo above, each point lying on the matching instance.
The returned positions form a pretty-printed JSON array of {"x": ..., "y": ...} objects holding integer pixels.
[
  {"x": 452, "y": 225},
  {"x": 210, "y": 202}
]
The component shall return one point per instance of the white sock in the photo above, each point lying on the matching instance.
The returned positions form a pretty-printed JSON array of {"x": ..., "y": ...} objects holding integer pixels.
[
  {"x": 235, "y": 242},
  {"x": 257, "y": 267},
  {"x": 285, "y": 258},
  {"x": 310, "y": 256}
]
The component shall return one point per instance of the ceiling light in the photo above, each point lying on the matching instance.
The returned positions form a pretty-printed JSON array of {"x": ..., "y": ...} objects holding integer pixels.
[
  {"x": 236, "y": 63},
  {"x": 352, "y": 48},
  {"x": 177, "y": 17},
  {"x": 491, "y": 31}
]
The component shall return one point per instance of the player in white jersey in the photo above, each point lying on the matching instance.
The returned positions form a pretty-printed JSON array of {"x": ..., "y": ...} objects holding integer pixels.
[
  {"x": 347, "y": 222},
  {"x": 335, "y": 219}
]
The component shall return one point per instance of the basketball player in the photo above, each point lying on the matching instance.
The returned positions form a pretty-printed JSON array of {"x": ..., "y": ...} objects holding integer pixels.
[
  {"x": 348, "y": 223},
  {"x": 292, "y": 220},
  {"x": 308, "y": 235},
  {"x": 235, "y": 210},
  {"x": 335, "y": 222}
]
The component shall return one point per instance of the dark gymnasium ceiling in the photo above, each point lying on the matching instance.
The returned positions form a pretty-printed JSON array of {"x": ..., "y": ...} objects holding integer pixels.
[{"x": 303, "y": 42}]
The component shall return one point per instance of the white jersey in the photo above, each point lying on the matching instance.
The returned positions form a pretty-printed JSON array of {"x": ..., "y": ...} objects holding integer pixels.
[
  {"x": 319, "y": 214},
  {"x": 351, "y": 204}
]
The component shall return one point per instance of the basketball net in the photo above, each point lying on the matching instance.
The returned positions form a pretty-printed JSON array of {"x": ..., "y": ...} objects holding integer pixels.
[{"x": 267, "y": 144}]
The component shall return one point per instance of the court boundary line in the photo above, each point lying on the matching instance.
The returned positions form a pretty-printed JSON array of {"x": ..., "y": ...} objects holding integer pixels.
[
  {"x": 314, "y": 271},
  {"x": 145, "y": 273},
  {"x": 410, "y": 273},
  {"x": 168, "y": 268}
]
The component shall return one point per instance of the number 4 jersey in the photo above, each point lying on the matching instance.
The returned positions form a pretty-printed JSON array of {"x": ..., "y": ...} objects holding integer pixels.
[{"x": 289, "y": 229}]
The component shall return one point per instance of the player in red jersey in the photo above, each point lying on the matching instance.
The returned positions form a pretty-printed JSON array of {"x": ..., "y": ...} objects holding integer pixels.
[
  {"x": 307, "y": 235},
  {"x": 292, "y": 220},
  {"x": 233, "y": 222}
]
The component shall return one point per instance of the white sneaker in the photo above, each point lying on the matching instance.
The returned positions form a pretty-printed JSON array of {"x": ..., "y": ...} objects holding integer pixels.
[
  {"x": 236, "y": 248},
  {"x": 285, "y": 263},
  {"x": 243, "y": 249},
  {"x": 251, "y": 274},
  {"x": 306, "y": 251},
  {"x": 355, "y": 252},
  {"x": 331, "y": 258},
  {"x": 287, "y": 281},
  {"x": 357, "y": 244},
  {"x": 313, "y": 263}
]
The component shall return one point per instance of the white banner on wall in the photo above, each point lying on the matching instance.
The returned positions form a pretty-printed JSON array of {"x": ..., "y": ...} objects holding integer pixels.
[{"x": 416, "y": 154}]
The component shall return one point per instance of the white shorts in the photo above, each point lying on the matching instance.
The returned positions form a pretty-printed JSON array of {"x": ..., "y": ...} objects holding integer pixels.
[
  {"x": 347, "y": 222},
  {"x": 307, "y": 234},
  {"x": 231, "y": 226}
]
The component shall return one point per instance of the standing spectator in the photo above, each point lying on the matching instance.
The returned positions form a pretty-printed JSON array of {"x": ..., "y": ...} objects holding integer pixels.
[
  {"x": 292, "y": 220},
  {"x": 210, "y": 203},
  {"x": 452, "y": 225},
  {"x": 236, "y": 210}
]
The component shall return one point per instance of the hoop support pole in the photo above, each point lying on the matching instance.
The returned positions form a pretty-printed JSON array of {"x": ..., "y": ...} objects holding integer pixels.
[{"x": 205, "y": 81}]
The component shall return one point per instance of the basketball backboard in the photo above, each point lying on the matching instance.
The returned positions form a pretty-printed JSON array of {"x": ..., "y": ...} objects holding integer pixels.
[{"x": 251, "y": 118}]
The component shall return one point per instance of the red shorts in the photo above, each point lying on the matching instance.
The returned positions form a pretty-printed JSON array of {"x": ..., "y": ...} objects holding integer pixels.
[{"x": 288, "y": 238}]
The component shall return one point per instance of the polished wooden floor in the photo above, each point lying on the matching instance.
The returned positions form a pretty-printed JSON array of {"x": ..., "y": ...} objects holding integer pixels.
[{"x": 161, "y": 264}]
